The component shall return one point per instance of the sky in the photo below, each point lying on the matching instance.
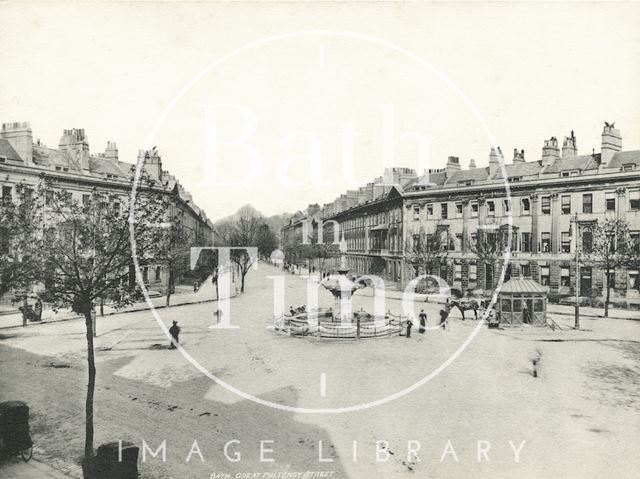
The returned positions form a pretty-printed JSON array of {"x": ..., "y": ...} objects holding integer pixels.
[{"x": 285, "y": 104}]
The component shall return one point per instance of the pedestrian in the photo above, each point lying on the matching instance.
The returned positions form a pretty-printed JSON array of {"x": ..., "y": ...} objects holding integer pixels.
[
  {"x": 37, "y": 310},
  {"x": 409, "y": 325},
  {"x": 526, "y": 319},
  {"x": 444, "y": 315},
  {"x": 423, "y": 321},
  {"x": 174, "y": 331}
]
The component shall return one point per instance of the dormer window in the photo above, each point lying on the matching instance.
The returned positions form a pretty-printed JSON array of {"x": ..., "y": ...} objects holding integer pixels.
[
  {"x": 515, "y": 179},
  {"x": 566, "y": 174},
  {"x": 3, "y": 159},
  {"x": 628, "y": 167},
  {"x": 58, "y": 168},
  {"x": 465, "y": 183},
  {"x": 65, "y": 169}
]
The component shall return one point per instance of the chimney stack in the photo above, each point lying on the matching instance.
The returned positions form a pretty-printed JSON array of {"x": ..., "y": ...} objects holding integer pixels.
[
  {"x": 611, "y": 142},
  {"x": 550, "y": 151},
  {"x": 76, "y": 144},
  {"x": 453, "y": 165},
  {"x": 494, "y": 161},
  {"x": 397, "y": 176},
  {"x": 20, "y": 138},
  {"x": 152, "y": 163},
  {"x": 111, "y": 152},
  {"x": 518, "y": 156},
  {"x": 472, "y": 163},
  {"x": 570, "y": 146}
]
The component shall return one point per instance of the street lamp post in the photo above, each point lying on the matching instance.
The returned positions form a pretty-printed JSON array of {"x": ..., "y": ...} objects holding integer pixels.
[{"x": 577, "y": 285}]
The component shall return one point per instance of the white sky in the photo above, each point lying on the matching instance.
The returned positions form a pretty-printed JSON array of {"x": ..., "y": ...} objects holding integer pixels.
[{"x": 531, "y": 70}]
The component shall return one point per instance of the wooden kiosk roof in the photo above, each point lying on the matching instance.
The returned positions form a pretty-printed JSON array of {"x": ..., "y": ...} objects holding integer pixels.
[{"x": 523, "y": 286}]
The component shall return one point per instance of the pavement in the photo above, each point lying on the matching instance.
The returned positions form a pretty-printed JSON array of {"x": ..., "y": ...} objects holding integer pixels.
[
  {"x": 34, "y": 469},
  {"x": 10, "y": 319},
  {"x": 205, "y": 294}
]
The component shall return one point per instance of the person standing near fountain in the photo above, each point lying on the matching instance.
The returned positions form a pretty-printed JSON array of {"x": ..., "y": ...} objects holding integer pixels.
[
  {"x": 423, "y": 321},
  {"x": 409, "y": 326}
]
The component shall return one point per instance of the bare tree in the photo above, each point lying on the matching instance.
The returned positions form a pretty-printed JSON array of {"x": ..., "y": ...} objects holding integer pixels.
[
  {"x": 427, "y": 249},
  {"x": 246, "y": 230},
  {"x": 610, "y": 250},
  {"x": 86, "y": 255},
  {"x": 489, "y": 246},
  {"x": 173, "y": 252},
  {"x": 313, "y": 250}
]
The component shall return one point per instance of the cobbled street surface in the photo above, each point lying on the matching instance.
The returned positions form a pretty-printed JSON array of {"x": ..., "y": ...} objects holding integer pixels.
[{"x": 574, "y": 416}]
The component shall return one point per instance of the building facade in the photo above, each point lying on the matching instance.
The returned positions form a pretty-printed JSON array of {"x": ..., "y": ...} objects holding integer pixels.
[
  {"x": 536, "y": 204},
  {"x": 72, "y": 167}
]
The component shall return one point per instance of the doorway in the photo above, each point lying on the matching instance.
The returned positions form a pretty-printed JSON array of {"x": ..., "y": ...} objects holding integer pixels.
[{"x": 585, "y": 281}]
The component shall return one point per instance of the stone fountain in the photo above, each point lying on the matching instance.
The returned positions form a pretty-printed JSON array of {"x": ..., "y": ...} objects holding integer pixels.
[
  {"x": 321, "y": 324},
  {"x": 342, "y": 288}
]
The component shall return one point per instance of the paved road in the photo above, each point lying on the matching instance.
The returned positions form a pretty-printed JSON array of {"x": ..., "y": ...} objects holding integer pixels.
[{"x": 577, "y": 416}]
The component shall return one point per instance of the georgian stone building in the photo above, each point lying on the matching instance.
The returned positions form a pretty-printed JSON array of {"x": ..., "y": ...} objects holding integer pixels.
[
  {"x": 539, "y": 200},
  {"x": 544, "y": 198},
  {"x": 371, "y": 221},
  {"x": 74, "y": 168}
]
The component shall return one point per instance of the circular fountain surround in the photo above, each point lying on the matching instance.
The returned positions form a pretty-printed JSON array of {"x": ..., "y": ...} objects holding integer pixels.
[{"x": 340, "y": 322}]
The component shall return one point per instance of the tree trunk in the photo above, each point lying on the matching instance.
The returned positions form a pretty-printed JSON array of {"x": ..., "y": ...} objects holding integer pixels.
[
  {"x": 242, "y": 275},
  {"x": 91, "y": 385},
  {"x": 169, "y": 287},
  {"x": 608, "y": 295},
  {"x": 101, "y": 306},
  {"x": 25, "y": 303}
]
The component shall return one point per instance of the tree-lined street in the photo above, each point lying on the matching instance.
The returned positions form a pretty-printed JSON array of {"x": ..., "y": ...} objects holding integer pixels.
[{"x": 588, "y": 384}]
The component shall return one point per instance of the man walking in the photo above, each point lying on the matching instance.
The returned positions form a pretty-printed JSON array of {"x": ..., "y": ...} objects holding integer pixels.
[{"x": 174, "y": 331}]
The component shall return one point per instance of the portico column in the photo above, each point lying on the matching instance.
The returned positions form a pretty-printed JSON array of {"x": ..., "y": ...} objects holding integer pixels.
[
  {"x": 465, "y": 226},
  {"x": 535, "y": 211},
  {"x": 622, "y": 203},
  {"x": 482, "y": 211},
  {"x": 481, "y": 267},
  {"x": 555, "y": 217},
  {"x": 366, "y": 234}
]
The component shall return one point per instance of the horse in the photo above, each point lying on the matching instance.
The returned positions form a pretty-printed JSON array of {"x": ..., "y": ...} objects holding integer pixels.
[{"x": 466, "y": 304}]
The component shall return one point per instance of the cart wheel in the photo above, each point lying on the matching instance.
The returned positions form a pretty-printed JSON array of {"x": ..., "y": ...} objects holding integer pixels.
[{"x": 27, "y": 454}]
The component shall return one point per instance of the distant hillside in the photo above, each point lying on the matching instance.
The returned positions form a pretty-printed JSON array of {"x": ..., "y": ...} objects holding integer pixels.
[{"x": 275, "y": 222}]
